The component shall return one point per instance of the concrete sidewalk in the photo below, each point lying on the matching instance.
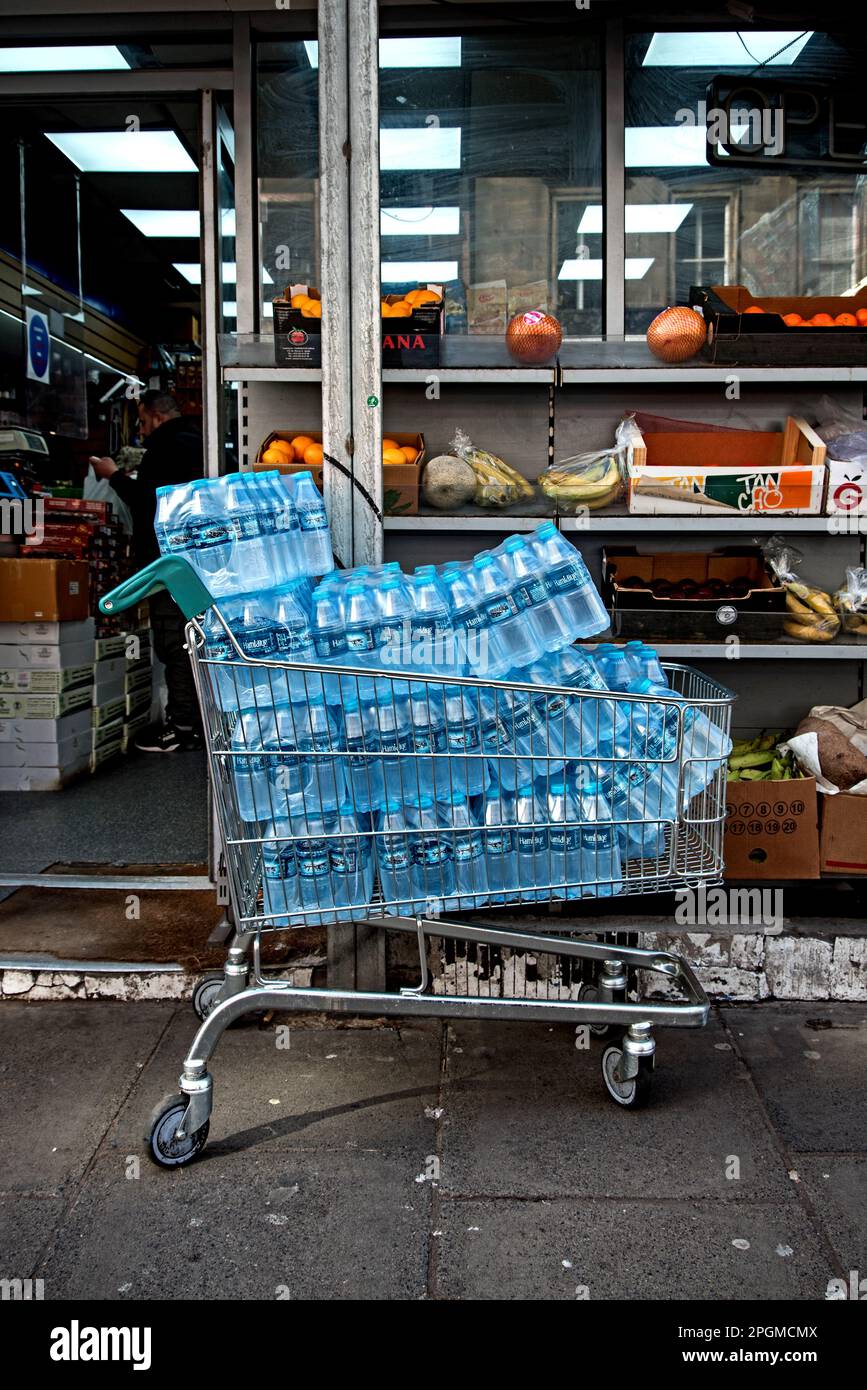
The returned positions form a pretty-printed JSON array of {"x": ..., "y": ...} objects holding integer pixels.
[{"x": 419, "y": 1161}]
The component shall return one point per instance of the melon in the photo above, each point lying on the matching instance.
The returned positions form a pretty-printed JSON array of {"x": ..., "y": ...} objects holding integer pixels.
[
  {"x": 676, "y": 334},
  {"x": 448, "y": 482}
]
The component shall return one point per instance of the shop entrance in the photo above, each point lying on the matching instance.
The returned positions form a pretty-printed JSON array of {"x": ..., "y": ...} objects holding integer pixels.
[{"x": 117, "y": 274}]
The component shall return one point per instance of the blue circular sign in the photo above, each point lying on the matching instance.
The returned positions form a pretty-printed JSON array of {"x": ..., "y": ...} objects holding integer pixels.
[{"x": 38, "y": 346}]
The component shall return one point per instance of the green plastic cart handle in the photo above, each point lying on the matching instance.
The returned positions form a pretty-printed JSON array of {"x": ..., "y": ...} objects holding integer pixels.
[{"x": 169, "y": 572}]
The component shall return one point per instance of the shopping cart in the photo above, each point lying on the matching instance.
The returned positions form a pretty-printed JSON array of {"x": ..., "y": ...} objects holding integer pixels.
[{"x": 279, "y": 751}]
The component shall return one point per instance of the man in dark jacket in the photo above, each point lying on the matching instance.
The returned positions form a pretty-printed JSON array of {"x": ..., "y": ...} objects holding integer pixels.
[{"x": 174, "y": 455}]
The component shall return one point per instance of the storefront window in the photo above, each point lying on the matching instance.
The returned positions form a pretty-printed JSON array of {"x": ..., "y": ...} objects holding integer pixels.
[
  {"x": 288, "y": 168},
  {"x": 490, "y": 159},
  {"x": 791, "y": 230}
]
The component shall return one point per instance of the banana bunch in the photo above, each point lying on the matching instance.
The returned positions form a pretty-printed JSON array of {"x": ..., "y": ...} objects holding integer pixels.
[
  {"x": 812, "y": 616},
  {"x": 759, "y": 759},
  {"x": 593, "y": 485},
  {"x": 851, "y": 602},
  {"x": 497, "y": 484}
]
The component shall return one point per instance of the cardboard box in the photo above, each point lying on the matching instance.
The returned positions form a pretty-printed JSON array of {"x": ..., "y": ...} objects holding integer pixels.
[
  {"x": 413, "y": 341},
  {"x": 110, "y": 646},
  {"x": 846, "y": 493},
  {"x": 400, "y": 483},
  {"x": 843, "y": 839},
  {"x": 109, "y": 672},
  {"x": 41, "y": 779},
  {"x": 741, "y": 472},
  {"x": 63, "y": 754},
  {"x": 43, "y": 590},
  {"x": 101, "y": 735},
  {"x": 46, "y": 682},
  {"x": 24, "y": 706},
  {"x": 137, "y": 702},
  {"x": 46, "y": 657},
  {"x": 298, "y": 467},
  {"x": 771, "y": 830},
  {"x": 756, "y": 614},
  {"x": 109, "y": 711},
  {"x": 21, "y": 730},
  {"x": 47, "y": 634},
  {"x": 736, "y": 336},
  {"x": 297, "y": 340}
]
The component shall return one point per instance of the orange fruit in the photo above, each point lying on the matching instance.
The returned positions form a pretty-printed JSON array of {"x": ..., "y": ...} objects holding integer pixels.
[
  {"x": 792, "y": 320},
  {"x": 393, "y": 456},
  {"x": 385, "y": 310},
  {"x": 312, "y": 309},
  {"x": 298, "y": 301},
  {"x": 754, "y": 309},
  {"x": 425, "y": 297},
  {"x": 313, "y": 455},
  {"x": 409, "y": 453},
  {"x": 274, "y": 455},
  {"x": 821, "y": 320},
  {"x": 846, "y": 321},
  {"x": 861, "y": 316},
  {"x": 401, "y": 310},
  {"x": 300, "y": 443},
  {"x": 412, "y": 297},
  {"x": 390, "y": 444}
]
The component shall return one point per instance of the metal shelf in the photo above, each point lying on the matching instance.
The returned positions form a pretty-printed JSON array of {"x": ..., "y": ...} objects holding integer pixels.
[
  {"x": 710, "y": 375},
  {"x": 621, "y": 520},
  {"x": 479, "y": 376},
  {"x": 762, "y": 651},
  {"x": 272, "y": 374}
]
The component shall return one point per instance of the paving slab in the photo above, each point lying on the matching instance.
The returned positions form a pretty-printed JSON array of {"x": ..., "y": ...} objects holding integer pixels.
[
  {"x": 26, "y": 1226},
  {"x": 810, "y": 1076},
  {"x": 251, "y": 1225},
  {"x": 65, "y": 1071},
  {"x": 291, "y": 1086},
  {"x": 527, "y": 1114},
  {"x": 837, "y": 1188},
  {"x": 627, "y": 1250}
]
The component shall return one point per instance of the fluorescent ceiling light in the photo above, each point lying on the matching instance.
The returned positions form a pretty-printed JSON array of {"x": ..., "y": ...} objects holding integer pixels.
[
  {"x": 395, "y": 271},
  {"x": 578, "y": 269},
  {"x": 192, "y": 271},
  {"x": 665, "y": 146},
  {"x": 431, "y": 147},
  {"x": 230, "y": 310},
  {"x": 419, "y": 221},
  {"x": 437, "y": 52},
  {"x": 175, "y": 222},
  {"x": 88, "y": 57},
  {"x": 124, "y": 151},
  {"x": 725, "y": 50},
  {"x": 640, "y": 217}
]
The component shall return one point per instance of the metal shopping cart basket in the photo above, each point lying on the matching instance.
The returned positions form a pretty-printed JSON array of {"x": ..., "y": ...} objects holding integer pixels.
[{"x": 325, "y": 820}]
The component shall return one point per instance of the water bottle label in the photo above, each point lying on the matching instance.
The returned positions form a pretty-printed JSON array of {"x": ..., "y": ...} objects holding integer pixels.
[
  {"x": 500, "y": 842},
  {"x": 532, "y": 841},
  {"x": 282, "y": 865},
  {"x": 293, "y": 639},
  {"x": 430, "y": 852},
  {"x": 346, "y": 858},
  {"x": 496, "y": 736},
  {"x": 330, "y": 644},
  {"x": 566, "y": 576},
  {"x": 565, "y": 839},
  {"x": 221, "y": 650},
  {"x": 429, "y": 629},
  {"x": 313, "y": 519},
  {"x": 313, "y": 859},
  {"x": 258, "y": 641},
  {"x": 360, "y": 639},
  {"x": 267, "y": 522},
  {"x": 470, "y": 619},
  {"x": 596, "y": 839},
  {"x": 499, "y": 608},
  {"x": 396, "y": 743},
  {"x": 389, "y": 633},
  {"x": 317, "y": 743},
  {"x": 253, "y": 762},
  {"x": 468, "y": 845},
  {"x": 428, "y": 739},
  {"x": 527, "y": 721},
  {"x": 531, "y": 592},
  {"x": 356, "y": 749},
  {"x": 178, "y": 538},
  {"x": 212, "y": 533},
  {"x": 463, "y": 738},
  {"x": 395, "y": 856},
  {"x": 245, "y": 526}
]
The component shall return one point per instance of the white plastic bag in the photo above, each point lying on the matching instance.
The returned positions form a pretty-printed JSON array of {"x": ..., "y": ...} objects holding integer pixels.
[{"x": 101, "y": 490}]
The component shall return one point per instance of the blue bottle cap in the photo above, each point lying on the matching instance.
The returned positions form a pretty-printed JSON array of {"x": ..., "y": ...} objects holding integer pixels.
[
  {"x": 456, "y": 799},
  {"x": 546, "y": 529},
  {"x": 640, "y": 686},
  {"x": 355, "y": 586},
  {"x": 305, "y": 474},
  {"x": 391, "y": 805},
  {"x": 634, "y": 645},
  {"x": 525, "y": 791},
  {"x": 515, "y": 543},
  {"x": 557, "y": 789},
  {"x": 482, "y": 561},
  {"x": 593, "y": 787}
]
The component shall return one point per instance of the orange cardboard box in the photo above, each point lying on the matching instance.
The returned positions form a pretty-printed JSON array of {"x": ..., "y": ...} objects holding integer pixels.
[
  {"x": 843, "y": 840},
  {"x": 51, "y": 591},
  {"x": 771, "y": 830}
]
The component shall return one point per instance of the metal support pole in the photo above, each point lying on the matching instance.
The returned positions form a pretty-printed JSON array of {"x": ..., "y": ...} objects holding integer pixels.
[
  {"x": 365, "y": 271},
  {"x": 246, "y": 202},
  {"x": 614, "y": 201}
]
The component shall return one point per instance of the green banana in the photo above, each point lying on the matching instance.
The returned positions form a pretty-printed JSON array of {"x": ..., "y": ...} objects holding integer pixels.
[{"x": 740, "y": 761}]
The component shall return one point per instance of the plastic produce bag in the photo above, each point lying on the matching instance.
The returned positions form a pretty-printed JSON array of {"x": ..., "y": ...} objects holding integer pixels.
[
  {"x": 831, "y": 744},
  {"x": 844, "y": 432},
  {"x": 590, "y": 480},
  {"x": 497, "y": 484},
  {"x": 100, "y": 490},
  {"x": 811, "y": 615},
  {"x": 850, "y": 601}
]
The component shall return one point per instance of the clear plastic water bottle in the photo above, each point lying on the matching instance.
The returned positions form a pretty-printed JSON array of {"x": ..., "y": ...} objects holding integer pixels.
[
  {"x": 172, "y": 520},
  {"x": 468, "y": 620},
  {"x": 616, "y": 665},
  {"x": 318, "y": 735},
  {"x": 511, "y": 641},
  {"x": 467, "y": 764},
  {"x": 705, "y": 747},
  {"x": 594, "y": 723},
  {"x": 250, "y": 561},
  {"x": 600, "y": 870},
  {"x": 500, "y": 845},
  {"x": 538, "y": 728},
  {"x": 313, "y": 845},
  {"x": 277, "y": 515},
  {"x": 427, "y": 714},
  {"x": 211, "y": 546},
  {"x": 432, "y": 636},
  {"x": 532, "y": 843},
  {"x": 468, "y": 854},
  {"x": 394, "y": 859},
  {"x": 281, "y": 893},
  {"x": 250, "y": 764},
  {"x": 431, "y": 572},
  {"x": 393, "y": 634},
  {"x": 542, "y": 611},
  {"x": 314, "y": 537},
  {"x": 433, "y": 874},
  {"x": 294, "y": 642},
  {"x": 394, "y": 725},
  {"x": 363, "y": 766},
  {"x": 497, "y": 715},
  {"x": 289, "y": 778},
  {"x": 568, "y": 581},
  {"x": 351, "y": 857},
  {"x": 647, "y": 662},
  {"x": 329, "y": 629},
  {"x": 564, "y": 841},
  {"x": 361, "y": 620}
]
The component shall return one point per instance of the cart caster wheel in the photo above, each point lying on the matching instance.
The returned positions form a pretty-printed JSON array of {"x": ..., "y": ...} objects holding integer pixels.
[
  {"x": 163, "y": 1148},
  {"x": 589, "y": 994},
  {"x": 632, "y": 1094},
  {"x": 205, "y": 995}
]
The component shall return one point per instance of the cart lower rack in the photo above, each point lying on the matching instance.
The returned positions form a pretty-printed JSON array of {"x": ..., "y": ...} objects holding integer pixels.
[{"x": 397, "y": 798}]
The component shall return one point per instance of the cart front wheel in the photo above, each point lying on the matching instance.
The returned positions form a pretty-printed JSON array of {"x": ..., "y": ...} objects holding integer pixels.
[
  {"x": 205, "y": 995},
  {"x": 163, "y": 1146},
  {"x": 631, "y": 1094},
  {"x": 589, "y": 994}
]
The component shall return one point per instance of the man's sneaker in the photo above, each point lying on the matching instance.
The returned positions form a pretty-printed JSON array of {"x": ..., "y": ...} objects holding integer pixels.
[
  {"x": 159, "y": 738},
  {"x": 190, "y": 739}
]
